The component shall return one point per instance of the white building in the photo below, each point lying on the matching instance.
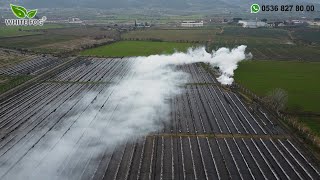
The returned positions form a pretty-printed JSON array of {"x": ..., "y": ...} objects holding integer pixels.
[
  {"x": 75, "y": 20},
  {"x": 192, "y": 24},
  {"x": 297, "y": 22},
  {"x": 252, "y": 24},
  {"x": 314, "y": 23}
]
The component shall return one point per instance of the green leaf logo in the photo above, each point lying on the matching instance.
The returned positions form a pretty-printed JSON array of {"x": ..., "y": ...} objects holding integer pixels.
[
  {"x": 18, "y": 11},
  {"x": 32, "y": 13},
  {"x": 21, "y": 12}
]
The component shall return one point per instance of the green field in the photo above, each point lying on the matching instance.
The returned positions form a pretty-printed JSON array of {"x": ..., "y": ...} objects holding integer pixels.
[
  {"x": 299, "y": 79},
  {"x": 13, "y": 31},
  {"x": 136, "y": 48}
]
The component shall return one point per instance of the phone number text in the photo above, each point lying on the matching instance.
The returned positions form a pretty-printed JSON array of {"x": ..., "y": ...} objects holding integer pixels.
[{"x": 287, "y": 8}]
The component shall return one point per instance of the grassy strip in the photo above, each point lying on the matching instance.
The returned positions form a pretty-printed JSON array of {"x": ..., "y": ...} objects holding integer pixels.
[
  {"x": 136, "y": 48},
  {"x": 14, "y": 31},
  {"x": 9, "y": 82}
]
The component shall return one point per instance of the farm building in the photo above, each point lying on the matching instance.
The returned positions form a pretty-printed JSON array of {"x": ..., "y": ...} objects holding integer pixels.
[
  {"x": 75, "y": 20},
  {"x": 191, "y": 24}
]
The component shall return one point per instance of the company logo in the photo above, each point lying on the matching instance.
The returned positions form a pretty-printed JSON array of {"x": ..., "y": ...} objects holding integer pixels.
[
  {"x": 255, "y": 8},
  {"x": 21, "y": 12},
  {"x": 25, "y": 18}
]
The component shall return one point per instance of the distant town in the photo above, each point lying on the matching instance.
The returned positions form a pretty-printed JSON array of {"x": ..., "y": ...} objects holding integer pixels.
[{"x": 245, "y": 23}]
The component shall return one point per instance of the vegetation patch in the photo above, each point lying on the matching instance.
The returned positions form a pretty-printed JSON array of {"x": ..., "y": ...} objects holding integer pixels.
[
  {"x": 309, "y": 36},
  {"x": 10, "y": 58},
  {"x": 260, "y": 32},
  {"x": 312, "y": 122},
  {"x": 13, "y": 31},
  {"x": 29, "y": 42},
  {"x": 9, "y": 82},
  {"x": 136, "y": 48},
  {"x": 299, "y": 79}
]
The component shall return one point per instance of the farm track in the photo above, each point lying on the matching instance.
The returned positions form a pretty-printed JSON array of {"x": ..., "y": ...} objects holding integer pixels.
[{"x": 210, "y": 133}]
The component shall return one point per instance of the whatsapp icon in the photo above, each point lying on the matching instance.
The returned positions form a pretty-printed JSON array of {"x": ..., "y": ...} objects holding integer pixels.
[{"x": 255, "y": 8}]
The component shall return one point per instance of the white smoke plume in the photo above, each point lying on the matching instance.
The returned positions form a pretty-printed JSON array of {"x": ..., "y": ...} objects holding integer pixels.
[
  {"x": 134, "y": 107},
  {"x": 227, "y": 60}
]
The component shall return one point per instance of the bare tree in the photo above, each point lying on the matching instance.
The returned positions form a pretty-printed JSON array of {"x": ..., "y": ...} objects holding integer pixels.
[{"x": 277, "y": 99}]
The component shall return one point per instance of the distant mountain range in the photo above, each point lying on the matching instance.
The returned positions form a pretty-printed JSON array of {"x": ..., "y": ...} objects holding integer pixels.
[{"x": 169, "y": 4}]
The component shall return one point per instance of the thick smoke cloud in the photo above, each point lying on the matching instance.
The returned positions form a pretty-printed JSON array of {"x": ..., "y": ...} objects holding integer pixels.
[
  {"x": 136, "y": 106},
  {"x": 142, "y": 98},
  {"x": 227, "y": 60}
]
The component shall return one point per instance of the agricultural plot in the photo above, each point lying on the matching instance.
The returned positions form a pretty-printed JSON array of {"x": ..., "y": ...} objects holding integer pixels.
[
  {"x": 263, "y": 43},
  {"x": 297, "y": 78},
  {"x": 311, "y": 35},
  {"x": 266, "y": 44},
  {"x": 269, "y": 49},
  {"x": 34, "y": 66},
  {"x": 59, "y": 40},
  {"x": 7, "y": 31},
  {"x": 136, "y": 48},
  {"x": 9, "y": 82},
  {"x": 190, "y": 35},
  {"x": 22, "y": 69},
  {"x": 260, "y": 32},
  {"x": 210, "y": 133},
  {"x": 11, "y": 57},
  {"x": 33, "y": 41}
]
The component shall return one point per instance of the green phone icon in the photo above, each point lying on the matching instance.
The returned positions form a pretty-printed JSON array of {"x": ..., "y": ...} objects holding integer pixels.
[{"x": 255, "y": 8}]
